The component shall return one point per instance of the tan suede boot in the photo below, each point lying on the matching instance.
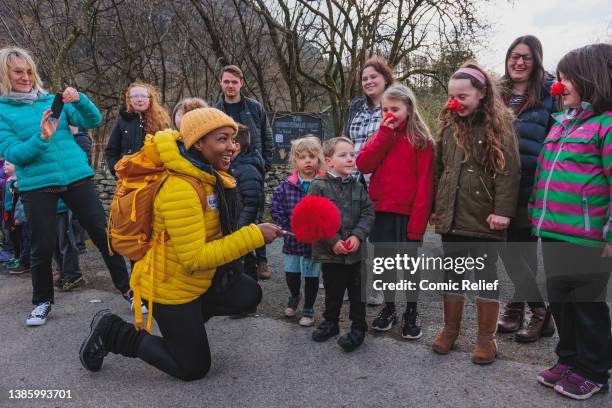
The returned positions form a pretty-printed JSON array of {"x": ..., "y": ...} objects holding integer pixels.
[
  {"x": 486, "y": 346},
  {"x": 453, "y": 311}
]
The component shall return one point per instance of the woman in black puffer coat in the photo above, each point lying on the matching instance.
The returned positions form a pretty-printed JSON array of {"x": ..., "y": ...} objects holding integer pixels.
[
  {"x": 526, "y": 90},
  {"x": 143, "y": 114}
]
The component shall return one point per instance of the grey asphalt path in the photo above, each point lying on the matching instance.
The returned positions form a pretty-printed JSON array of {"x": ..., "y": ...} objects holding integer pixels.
[{"x": 257, "y": 362}]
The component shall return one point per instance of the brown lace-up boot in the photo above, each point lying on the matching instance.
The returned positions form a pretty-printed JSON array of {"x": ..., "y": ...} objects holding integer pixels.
[
  {"x": 512, "y": 318},
  {"x": 453, "y": 312},
  {"x": 540, "y": 325}
]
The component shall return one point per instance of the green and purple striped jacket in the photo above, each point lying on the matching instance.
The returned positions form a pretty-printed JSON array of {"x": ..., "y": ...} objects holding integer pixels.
[{"x": 571, "y": 200}]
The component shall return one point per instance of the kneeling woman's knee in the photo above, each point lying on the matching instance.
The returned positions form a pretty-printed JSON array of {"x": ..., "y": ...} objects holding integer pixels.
[
  {"x": 253, "y": 295},
  {"x": 194, "y": 372}
]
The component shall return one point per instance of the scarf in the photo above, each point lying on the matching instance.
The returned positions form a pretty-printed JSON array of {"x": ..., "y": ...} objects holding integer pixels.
[
  {"x": 228, "y": 216},
  {"x": 25, "y": 97}
]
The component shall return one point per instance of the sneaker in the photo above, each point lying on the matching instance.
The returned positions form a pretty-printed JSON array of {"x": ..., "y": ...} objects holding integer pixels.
[
  {"x": 38, "y": 316},
  {"x": 11, "y": 264},
  {"x": 72, "y": 284},
  {"x": 411, "y": 327},
  {"x": 376, "y": 298},
  {"x": 292, "y": 305},
  {"x": 307, "y": 319},
  {"x": 351, "y": 340},
  {"x": 325, "y": 331},
  {"x": 577, "y": 387},
  {"x": 345, "y": 297},
  {"x": 129, "y": 296},
  {"x": 19, "y": 269},
  {"x": 92, "y": 351},
  {"x": 386, "y": 319},
  {"x": 553, "y": 375}
]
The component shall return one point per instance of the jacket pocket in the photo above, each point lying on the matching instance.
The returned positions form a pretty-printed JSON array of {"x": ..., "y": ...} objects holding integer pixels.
[{"x": 585, "y": 212}]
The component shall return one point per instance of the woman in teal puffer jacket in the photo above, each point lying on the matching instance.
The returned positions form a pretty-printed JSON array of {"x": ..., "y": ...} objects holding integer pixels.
[{"x": 50, "y": 165}]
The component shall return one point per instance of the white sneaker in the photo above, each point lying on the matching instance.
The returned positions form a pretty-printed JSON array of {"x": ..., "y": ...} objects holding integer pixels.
[
  {"x": 38, "y": 316},
  {"x": 345, "y": 297},
  {"x": 306, "y": 321},
  {"x": 290, "y": 312},
  {"x": 376, "y": 298}
]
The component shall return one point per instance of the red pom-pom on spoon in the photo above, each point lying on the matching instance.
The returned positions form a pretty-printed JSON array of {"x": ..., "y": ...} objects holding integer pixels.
[
  {"x": 557, "y": 89},
  {"x": 315, "y": 218},
  {"x": 389, "y": 115},
  {"x": 454, "y": 105},
  {"x": 347, "y": 245}
]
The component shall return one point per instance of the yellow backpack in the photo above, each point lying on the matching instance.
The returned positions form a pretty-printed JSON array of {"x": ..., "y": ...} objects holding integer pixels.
[{"x": 130, "y": 222}]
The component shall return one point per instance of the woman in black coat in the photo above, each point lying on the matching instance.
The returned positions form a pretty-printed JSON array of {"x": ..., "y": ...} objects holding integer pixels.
[
  {"x": 143, "y": 114},
  {"x": 526, "y": 90}
]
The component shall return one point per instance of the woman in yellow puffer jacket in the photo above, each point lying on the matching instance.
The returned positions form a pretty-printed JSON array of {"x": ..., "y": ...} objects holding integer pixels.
[{"x": 193, "y": 271}]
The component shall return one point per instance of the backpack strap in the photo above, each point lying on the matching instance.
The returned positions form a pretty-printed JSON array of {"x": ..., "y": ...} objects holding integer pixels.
[{"x": 197, "y": 186}]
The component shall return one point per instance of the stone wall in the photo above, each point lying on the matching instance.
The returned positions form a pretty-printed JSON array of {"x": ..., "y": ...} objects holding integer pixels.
[{"x": 105, "y": 184}]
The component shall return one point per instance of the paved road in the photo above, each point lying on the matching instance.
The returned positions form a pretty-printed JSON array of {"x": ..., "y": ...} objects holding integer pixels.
[{"x": 259, "y": 362}]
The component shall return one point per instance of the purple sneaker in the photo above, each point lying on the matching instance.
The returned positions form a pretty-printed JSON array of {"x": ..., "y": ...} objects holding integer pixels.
[
  {"x": 577, "y": 387},
  {"x": 550, "y": 377},
  {"x": 6, "y": 256}
]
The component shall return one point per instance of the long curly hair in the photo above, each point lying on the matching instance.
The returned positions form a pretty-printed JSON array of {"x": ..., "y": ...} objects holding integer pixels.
[
  {"x": 155, "y": 117},
  {"x": 496, "y": 119}
]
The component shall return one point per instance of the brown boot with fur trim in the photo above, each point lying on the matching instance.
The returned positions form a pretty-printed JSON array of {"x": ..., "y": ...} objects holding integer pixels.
[
  {"x": 453, "y": 312},
  {"x": 486, "y": 346}
]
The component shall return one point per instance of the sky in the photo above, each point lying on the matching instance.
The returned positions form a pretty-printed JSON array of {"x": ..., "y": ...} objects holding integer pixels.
[{"x": 561, "y": 26}]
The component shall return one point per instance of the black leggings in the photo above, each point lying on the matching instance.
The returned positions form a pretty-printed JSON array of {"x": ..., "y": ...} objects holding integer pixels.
[{"x": 183, "y": 351}]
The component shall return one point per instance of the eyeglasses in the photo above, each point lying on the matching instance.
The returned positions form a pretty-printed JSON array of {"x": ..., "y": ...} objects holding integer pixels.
[
  {"x": 526, "y": 58},
  {"x": 135, "y": 97}
]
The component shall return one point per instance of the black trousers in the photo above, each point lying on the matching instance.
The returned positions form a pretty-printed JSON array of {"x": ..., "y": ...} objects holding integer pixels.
[
  {"x": 520, "y": 257},
  {"x": 183, "y": 350},
  {"x": 41, "y": 208},
  {"x": 576, "y": 274},
  {"x": 338, "y": 278}
]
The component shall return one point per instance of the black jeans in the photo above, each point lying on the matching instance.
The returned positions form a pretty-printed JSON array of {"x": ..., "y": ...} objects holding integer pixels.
[
  {"x": 41, "y": 208},
  {"x": 458, "y": 246},
  {"x": 338, "y": 278},
  {"x": 576, "y": 274},
  {"x": 520, "y": 257},
  {"x": 183, "y": 351}
]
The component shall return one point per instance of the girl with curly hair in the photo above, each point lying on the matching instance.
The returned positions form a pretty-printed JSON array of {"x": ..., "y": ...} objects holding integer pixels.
[
  {"x": 142, "y": 114},
  {"x": 477, "y": 179}
]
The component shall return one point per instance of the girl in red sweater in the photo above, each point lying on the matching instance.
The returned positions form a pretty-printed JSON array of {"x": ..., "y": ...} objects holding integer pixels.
[{"x": 400, "y": 157}]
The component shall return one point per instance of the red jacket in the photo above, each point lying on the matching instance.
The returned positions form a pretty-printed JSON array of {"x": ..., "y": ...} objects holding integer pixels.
[{"x": 402, "y": 177}]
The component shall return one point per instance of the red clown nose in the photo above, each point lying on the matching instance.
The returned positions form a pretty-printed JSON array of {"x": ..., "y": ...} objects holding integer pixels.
[
  {"x": 454, "y": 105},
  {"x": 315, "y": 218},
  {"x": 557, "y": 89}
]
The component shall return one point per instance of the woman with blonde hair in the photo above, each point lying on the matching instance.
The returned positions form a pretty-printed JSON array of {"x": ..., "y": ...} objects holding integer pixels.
[
  {"x": 142, "y": 115},
  {"x": 50, "y": 165}
]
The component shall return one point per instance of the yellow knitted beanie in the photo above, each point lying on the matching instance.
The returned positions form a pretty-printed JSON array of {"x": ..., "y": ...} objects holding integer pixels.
[{"x": 200, "y": 122}]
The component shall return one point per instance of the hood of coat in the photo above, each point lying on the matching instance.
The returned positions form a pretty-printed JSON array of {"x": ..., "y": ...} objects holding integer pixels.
[
  {"x": 167, "y": 145},
  {"x": 253, "y": 158}
]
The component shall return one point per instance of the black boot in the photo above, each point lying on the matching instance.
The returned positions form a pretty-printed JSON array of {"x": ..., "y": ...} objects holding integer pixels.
[
  {"x": 326, "y": 330},
  {"x": 109, "y": 333},
  {"x": 351, "y": 340}
]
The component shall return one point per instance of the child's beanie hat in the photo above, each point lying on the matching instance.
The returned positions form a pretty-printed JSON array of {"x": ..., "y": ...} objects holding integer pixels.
[{"x": 200, "y": 122}]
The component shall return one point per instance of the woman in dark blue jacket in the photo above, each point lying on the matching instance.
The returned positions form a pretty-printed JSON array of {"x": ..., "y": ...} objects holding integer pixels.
[{"x": 526, "y": 90}]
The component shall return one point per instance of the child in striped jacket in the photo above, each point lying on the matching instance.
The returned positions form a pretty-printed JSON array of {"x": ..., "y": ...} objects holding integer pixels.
[{"x": 570, "y": 210}]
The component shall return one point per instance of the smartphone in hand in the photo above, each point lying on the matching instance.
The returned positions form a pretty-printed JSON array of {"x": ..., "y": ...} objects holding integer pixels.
[{"x": 57, "y": 106}]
